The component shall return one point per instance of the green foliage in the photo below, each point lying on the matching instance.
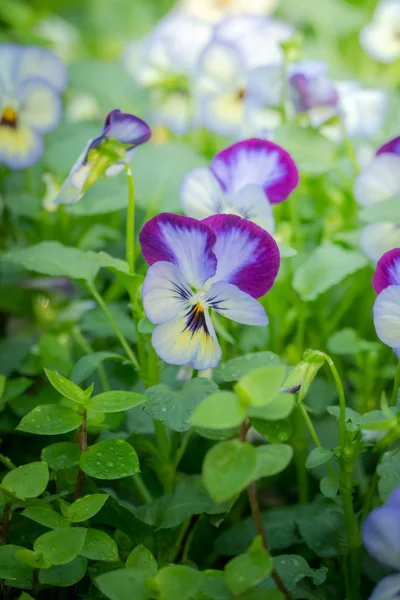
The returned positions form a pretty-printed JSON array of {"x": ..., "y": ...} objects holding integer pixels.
[
  {"x": 110, "y": 402},
  {"x": 50, "y": 419},
  {"x": 312, "y": 152},
  {"x": 67, "y": 388},
  {"x": 221, "y": 410},
  {"x": 234, "y": 369},
  {"x": 272, "y": 459},
  {"x": 142, "y": 560},
  {"x": 99, "y": 546},
  {"x": 389, "y": 473},
  {"x": 28, "y": 481},
  {"x": 122, "y": 584},
  {"x": 110, "y": 459},
  {"x": 61, "y": 546},
  {"x": 45, "y": 515},
  {"x": 177, "y": 581},
  {"x": 84, "y": 508},
  {"x": 317, "y": 457},
  {"x": 247, "y": 570},
  {"x": 61, "y": 455},
  {"x": 259, "y": 387}
]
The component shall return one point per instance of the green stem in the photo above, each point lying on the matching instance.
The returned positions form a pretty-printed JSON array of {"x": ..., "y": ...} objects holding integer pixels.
[
  {"x": 314, "y": 435},
  {"x": 349, "y": 147},
  {"x": 4, "y": 523},
  {"x": 7, "y": 462},
  {"x": 82, "y": 447},
  {"x": 124, "y": 343},
  {"x": 86, "y": 347},
  {"x": 141, "y": 488},
  {"x": 396, "y": 385},
  {"x": 300, "y": 455},
  {"x": 183, "y": 447},
  {"x": 130, "y": 222}
]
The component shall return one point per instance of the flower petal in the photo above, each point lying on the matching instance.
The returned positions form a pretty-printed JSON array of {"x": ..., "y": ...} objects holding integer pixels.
[
  {"x": 387, "y": 271},
  {"x": 20, "y": 147},
  {"x": 379, "y": 180},
  {"x": 165, "y": 293},
  {"x": 220, "y": 69},
  {"x": 201, "y": 194},
  {"x": 176, "y": 344},
  {"x": 250, "y": 203},
  {"x": 41, "y": 105},
  {"x": 392, "y": 146},
  {"x": 126, "y": 128},
  {"x": 264, "y": 85},
  {"x": 387, "y": 589},
  {"x": 387, "y": 316},
  {"x": 363, "y": 110},
  {"x": 247, "y": 255},
  {"x": 257, "y": 161},
  {"x": 222, "y": 114},
  {"x": 232, "y": 303},
  {"x": 183, "y": 241},
  {"x": 9, "y": 57},
  {"x": 381, "y": 536},
  {"x": 40, "y": 63},
  {"x": 378, "y": 238}
]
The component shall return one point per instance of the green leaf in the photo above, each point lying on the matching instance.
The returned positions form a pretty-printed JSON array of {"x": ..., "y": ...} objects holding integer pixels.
[
  {"x": 52, "y": 258},
  {"x": 276, "y": 432},
  {"x": 317, "y": 457},
  {"x": 389, "y": 473},
  {"x": 261, "y": 386},
  {"x": 347, "y": 341},
  {"x": 324, "y": 268},
  {"x": 50, "y": 419},
  {"x": 122, "y": 584},
  {"x": 110, "y": 459},
  {"x": 99, "y": 546},
  {"x": 12, "y": 352},
  {"x": 66, "y": 388},
  {"x": 86, "y": 507},
  {"x": 28, "y": 481},
  {"x": 228, "y": 468},
  {"x": 234, "y": 369},
  {"x": 221, "y": 410},
  {"x": 178, "y": 581},
  {"x": 247, "y": 570},
  {"x": 384, "y": 211},
  {"x": 293, "y": 569},
  {"x": 142, "y": 561},
  {"x": 279, "y": 408},
  {"x": 272, "y": 459},
  {"x": 65, "y": 575},
  {"x": 322, "y": 527},
  {"x": 11, "y": 567},
  {"x": 329, "y": 486},
  {"x": 313, "y": 153},
  {"x": 213, "y": 586},
  {"x": 46, "y": 516},
  {"x": 176, "y": 408},
  {"x": 61, "y": 455},
  {"x": 111, "y": 402},
  {"x": 32, "y": 559},
  {"x": 86, "y": 365},
  {"x": 61, "y": 546}
]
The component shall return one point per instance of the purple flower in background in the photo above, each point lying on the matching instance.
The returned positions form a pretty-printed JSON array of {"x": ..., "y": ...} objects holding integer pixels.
[
  {"x": 105, "y": 155},
  {"x": 31, "y": 80},
  {"x": 381, "y": 537},
  {"x": 379, "y": 181},
  {"x": 386, "y": 283},
  {"x": 222, "y": 263},
  {"x": 244, "y": 179},
  {"x": 312, "y": 92}
]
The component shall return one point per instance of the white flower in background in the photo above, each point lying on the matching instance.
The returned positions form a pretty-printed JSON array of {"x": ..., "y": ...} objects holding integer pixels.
[
  {"x": 379, "y": 181},
  {"x": 216, "y": 10},
  {"x": 63, "y": 36},
  {"x": 381, "y": 37},
  {"x": 165, "y": 61}
]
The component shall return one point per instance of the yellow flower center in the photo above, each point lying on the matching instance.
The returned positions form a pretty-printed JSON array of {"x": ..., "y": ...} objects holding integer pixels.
[{"x": 9, "y": 117}]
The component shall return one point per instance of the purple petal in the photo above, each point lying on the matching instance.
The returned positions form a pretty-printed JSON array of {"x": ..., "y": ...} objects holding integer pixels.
[
  {"x": 186, "y": 242},
  {"x": 247, "y": 255},
  {"x": 387, "y": 589},
  {"x": 393, "y": 147},
  {"x": 387, "y": 270},
  {"x": 260, "y": 162},
  {"x": 381, "y": 536},
  {"x": 126, "y": 128}
]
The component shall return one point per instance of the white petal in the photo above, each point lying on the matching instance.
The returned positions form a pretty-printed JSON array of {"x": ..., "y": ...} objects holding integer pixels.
[
  {"x": 387, "y": 316},
  {"x": 251, "y": 203},
  {"x": 41, "y": 106},
  {"x": 379, "y": 180},
  {"x": 380, "y": 42},
  {"x": 20, "y": 147},
  {"x": 222, "y": 114},
  {"x": 232, "y": 303},
  {"x": 43, "y": 64},
  {"x": 201, "y": 194},
  {"x": 165, "y": 292},
  {"x": 378, "y": 238},
  {"x": 220, "y": 69}
]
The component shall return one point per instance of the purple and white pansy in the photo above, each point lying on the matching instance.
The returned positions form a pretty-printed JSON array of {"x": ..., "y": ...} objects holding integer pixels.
[
  {"x": 386, "y": 283},
  {"x": 31, "y": 81},
  {"x": 223, "y": 263},
  {"x": 105, "y": 155},
  {"x": 244, "y": 179},
  {"x": 379, "y": 181}
]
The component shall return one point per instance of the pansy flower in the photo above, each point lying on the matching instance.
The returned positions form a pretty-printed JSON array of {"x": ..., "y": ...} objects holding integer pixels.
[
  {"x": 217, "y": 10},
  {"x": 105, "y": 155},
  {"x": 381, "y": 537},
  {"x": 379, "y": 181},
  {"x": 244, "y": 179},
  {"x": 380, "y": 38},
  {"x": 31, "y": 80},
  {"x": 223, "y": 263},
  {"x": 227, "y": 91},
  {"x": 386, "y": 283},
  {"x": 164, "y": 63}
]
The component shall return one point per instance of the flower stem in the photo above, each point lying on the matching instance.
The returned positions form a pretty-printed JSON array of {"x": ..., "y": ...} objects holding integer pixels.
[
  {"x": 396, "y": 385},
  {"x": 314, "y": 435},
  {"x": 124, "y": 343},
  {"x": 7, "y": 462},
  {"x": 300, "y": 455},
  {"x": 35, "y": 583},
  {"x": 130, "y": 222},
  {"x": 256, "y": 513},
  {"x": 4, "y": 524},
  {"x": 83, "y": 447}
]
